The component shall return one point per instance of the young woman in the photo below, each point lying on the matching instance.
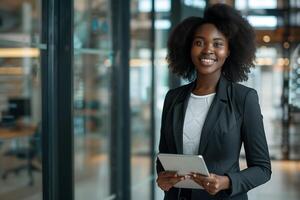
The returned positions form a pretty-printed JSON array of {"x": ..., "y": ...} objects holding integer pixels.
[{"x": 214, "y": 115}]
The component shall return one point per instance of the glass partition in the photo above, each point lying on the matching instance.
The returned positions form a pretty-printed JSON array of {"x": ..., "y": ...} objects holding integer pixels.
[
  {"x": 20, "y": 100},
  {"x": 140, "y": 98},
  {"x": 92, "y": 76}
]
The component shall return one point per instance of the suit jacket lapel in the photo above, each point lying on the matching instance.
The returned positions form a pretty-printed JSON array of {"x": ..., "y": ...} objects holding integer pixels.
[
  {"x": 213, "y": 114},
  {"x": 178, "y": 116}
]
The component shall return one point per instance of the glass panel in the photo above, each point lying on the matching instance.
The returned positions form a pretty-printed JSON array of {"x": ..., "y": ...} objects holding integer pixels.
[
  {"x": 255, "y": 4},
  {"x": 241, "y": 4},
  {"x": 295, "y": 3},
  {"x": 92, "y": 74},
  {"x": 20, "y": 100},
  {"x": 195, "y": 3},
  {"x": 20, "y": 21},
  {"x": 269, "y": 69},
  {"x": 295, "y": 78},
  {"x": 263, "y": 21},
  {"x": 140, "y": 98},
  {"x": 161, "y": 78},
  {"x": 160, "y": 5}
]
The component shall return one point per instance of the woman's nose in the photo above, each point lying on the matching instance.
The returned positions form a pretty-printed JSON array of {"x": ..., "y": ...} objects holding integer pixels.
[{"x": 208, "y": 48}]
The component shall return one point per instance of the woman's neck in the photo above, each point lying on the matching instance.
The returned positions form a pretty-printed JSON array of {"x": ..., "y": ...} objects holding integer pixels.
[{"x": 206, "y": 84}]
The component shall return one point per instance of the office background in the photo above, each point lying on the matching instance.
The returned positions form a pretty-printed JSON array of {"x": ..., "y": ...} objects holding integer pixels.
[{"x": 82, "y": 88}]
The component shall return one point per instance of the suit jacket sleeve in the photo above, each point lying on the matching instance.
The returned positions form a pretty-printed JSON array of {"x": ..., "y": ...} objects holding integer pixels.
[
  {"x": 256, "y": 149},
  {"x": 163, "y": 148}
]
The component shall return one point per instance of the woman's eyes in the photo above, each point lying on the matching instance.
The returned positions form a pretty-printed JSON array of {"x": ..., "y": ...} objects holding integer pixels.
[
  {"x": 199, "y": 43},
  {"x": 202, "y": 43},
  {"x": 218, "y": 44}
]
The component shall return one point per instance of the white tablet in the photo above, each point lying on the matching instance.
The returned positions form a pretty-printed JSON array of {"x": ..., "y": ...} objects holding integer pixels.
[{"x": 184, "y": 164}]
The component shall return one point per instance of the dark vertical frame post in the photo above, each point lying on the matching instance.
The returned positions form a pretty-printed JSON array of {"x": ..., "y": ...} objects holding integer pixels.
[
  {"x": 174, "y": 81},
  {"x": 120, "y": 109},
  {"x": 153, "y": 102},
  {"x": 57, "y": 98},
  {"x": 286, "y": 118},
  {"x": 207, "y": 2}
]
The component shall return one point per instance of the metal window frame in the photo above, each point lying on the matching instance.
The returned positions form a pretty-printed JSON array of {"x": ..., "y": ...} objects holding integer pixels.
[
  {"x": 176, "y": 14},
  {"x": 120, "y": 184},
  {"x": 57, "y": 100},
  {"x": 153, "y": 103},
  {"x": 286, "y": 109}
]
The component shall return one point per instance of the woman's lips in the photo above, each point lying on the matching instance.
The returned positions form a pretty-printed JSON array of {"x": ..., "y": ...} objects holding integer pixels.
[{"x": 207, "y": 61}]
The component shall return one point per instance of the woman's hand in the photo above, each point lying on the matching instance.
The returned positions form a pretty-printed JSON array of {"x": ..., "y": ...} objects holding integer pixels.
[
  {"x": 166, "y": 180},
  {"x": 213, "y": 183}
]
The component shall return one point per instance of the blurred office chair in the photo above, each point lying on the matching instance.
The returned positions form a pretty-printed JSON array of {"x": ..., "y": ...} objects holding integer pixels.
[{"x": 30, "y": 153}]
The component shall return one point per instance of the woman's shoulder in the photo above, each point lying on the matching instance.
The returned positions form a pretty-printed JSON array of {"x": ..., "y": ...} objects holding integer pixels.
[
  {"x": 242, "y": 91},
  {"x": 180, "y": 89},
  {"x": 178, "y": 94},
  {"x": 242, "y": 88}
]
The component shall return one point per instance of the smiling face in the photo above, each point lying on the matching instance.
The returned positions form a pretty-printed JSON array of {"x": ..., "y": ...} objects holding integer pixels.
[{"x": 209, "y": 50}]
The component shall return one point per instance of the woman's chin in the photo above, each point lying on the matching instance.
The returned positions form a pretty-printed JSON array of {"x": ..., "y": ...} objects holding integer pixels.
[{"x": 208, "y": 71}]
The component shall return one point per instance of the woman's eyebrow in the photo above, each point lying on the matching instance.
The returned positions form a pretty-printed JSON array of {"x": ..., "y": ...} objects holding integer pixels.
[
  {"x": 198, "y": 37},
  {"x": 201, "y": 37},
  {"x": 219, "y": 39}
]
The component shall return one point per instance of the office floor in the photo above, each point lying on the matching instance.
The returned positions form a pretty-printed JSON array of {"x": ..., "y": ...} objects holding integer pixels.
[
  {"x": 285, "y": 182},
  {"x": 92, "y": 173}
]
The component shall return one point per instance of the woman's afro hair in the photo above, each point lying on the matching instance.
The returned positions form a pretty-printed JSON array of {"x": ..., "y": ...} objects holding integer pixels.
[{"x": 238, "y": 31}]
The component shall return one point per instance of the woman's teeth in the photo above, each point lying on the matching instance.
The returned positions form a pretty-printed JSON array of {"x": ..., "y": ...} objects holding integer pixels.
[{"x": 205, "y": 61}]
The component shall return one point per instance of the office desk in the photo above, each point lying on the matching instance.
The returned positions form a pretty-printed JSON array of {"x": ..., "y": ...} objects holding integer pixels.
[
  {"x": 29, "y": 153},
  {"x": 15, "y": 132}
]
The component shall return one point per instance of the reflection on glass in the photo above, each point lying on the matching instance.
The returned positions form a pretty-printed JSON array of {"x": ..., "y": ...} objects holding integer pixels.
[
  {"x": 20, "y": 101},
  {"x": 255, "y": 4},
  {"x": 195, "y": 3},
  {"x": 161, "y": 79},
  {"x": 263, "y": 21},
  {"x": 92, "y": 74},
  {"x": 19, "y": 21},
  {"x": 160, "y": 5},
  {"x": 140, "y": 98},
  {"x": 294, "y": 97},
  {"x": 266, "y": 78},
  {"x": 162, "y": 24}
]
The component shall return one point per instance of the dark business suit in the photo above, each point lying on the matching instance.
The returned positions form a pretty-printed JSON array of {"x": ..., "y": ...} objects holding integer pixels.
[{"x": 234, "y": 118}]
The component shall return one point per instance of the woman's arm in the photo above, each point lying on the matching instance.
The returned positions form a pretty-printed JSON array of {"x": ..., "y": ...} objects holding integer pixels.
[{"x": 256, "y": 149}]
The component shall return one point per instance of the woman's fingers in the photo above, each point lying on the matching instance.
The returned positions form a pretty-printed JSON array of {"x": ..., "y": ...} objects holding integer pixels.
[
  {"x": 167, "y": 180},
  {"x": 167, "y": 174},
  {"x": 175, "y": 180},
  {"x": 212, "y": 188},
  {"x": 215, "y": 184},
  {"x": 200, "y": 179},
  {"x": 212, "y": 184},
  {"x": 209, "y": 183}
]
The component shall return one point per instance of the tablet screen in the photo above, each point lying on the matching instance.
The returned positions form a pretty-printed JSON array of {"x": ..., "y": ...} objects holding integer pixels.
[{"x": 183, "y": 165}]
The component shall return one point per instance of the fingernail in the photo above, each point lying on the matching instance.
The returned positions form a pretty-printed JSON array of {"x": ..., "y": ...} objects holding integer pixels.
[
  {"x": 176, "y": 175},
  {"x": 194, "y": 175},
  {"x": 182, "y": 178},
  {"x": 187, "y": 176}
]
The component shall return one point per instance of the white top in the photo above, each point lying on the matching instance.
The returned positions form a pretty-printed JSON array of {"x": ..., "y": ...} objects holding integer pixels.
[{"x": 195, "y": 116}]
